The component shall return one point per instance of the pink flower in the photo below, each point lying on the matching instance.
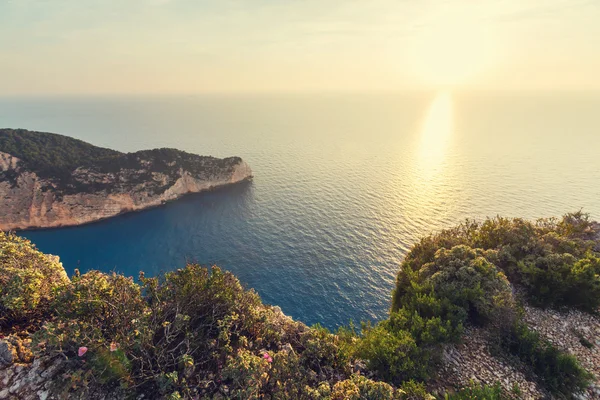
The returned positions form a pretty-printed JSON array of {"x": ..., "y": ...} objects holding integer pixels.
[
  {"x": 82, "y": 351},
  {"x": 267, "y": 357},
  {"x": 113, "y": 346}
]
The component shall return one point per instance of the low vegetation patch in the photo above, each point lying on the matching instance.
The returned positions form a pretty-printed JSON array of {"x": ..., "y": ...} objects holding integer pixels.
[
  {"x": 28, "y": 280},
  {"x": 197, "y": 333}
]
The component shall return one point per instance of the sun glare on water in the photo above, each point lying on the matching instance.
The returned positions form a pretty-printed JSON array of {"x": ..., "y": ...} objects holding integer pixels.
[{"x": 436, "y": 131}]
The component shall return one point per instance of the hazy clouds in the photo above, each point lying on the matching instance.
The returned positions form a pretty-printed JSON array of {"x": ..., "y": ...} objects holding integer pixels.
[{"x": 174, "y": 46}]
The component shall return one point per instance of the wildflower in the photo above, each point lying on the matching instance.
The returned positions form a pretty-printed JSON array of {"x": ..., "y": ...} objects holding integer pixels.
[
  {"x": 82, "y": 351},
  {"x": 113, "y": 346},
  {"x": 267, "y": 357}
]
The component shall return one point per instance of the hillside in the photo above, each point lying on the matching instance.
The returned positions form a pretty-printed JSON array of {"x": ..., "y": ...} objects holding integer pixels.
[
  {"x": 504, "y": 309},
  {"x": 51, "y": 180}
]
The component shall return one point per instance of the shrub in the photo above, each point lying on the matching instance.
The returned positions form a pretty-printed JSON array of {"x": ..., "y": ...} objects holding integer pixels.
[
  {"x": 393, "y": 355},
  {"x": 192, "y": 332},
  {"x": 563, "y": 280},
  {"x": 553, "y": 260},
  {"x": 247, "y": 374},
  {"x": 28, "y": 280},
  {"x": 371, "y": 390},
  {"x": 465, "y": 278},
  {"x": 95, "y": 311},
  {"x": 558, "y": 371},
  {"x": 415, "y": 391},
  {"x": 478, "y": 392},
  {"x": 197, "y": 313},
  {"x": 460, "y": 285},
  {"x": 459, "y": 277},
  {"x": 361, "y": 388}
]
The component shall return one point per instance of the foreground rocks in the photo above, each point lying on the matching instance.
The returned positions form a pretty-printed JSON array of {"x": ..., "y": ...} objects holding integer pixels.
[
  {"x": 45, "y": 378},
  {"x": 575, "y": 332},
  {"x": 472, "y": 362}
]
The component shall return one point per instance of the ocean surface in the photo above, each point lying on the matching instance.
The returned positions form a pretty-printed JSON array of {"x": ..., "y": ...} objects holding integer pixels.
[{"x": 344, "y": 184}]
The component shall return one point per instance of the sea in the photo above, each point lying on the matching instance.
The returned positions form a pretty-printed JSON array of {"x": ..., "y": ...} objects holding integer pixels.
[{"x": 344, "y": 183}]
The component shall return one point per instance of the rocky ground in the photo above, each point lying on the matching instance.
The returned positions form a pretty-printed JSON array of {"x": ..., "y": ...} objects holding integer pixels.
[
  {"x": 471, "y": 361},
  {"x": 25, "y": 378},
  {"x": 19, "y": 377},
  {"x": 575, "y": 332}
]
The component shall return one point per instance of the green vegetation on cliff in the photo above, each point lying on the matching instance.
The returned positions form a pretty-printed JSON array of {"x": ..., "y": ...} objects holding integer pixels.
[
  {"x": 197, "y": 333},
  {"x": 56, "y": 157},
  {"x": 49, "y": 154}
]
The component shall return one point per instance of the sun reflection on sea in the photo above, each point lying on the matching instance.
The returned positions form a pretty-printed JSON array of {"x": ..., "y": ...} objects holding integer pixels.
[
  {"x": 425, "y": 197},
  {"x": 436, "y": 132}
]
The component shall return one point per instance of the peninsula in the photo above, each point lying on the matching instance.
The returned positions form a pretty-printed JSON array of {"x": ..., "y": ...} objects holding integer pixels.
[{"x": 49, "y": 180}]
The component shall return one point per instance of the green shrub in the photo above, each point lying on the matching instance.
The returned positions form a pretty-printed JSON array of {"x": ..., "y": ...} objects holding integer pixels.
[
  {"x": 393, "y": 355},
  {"x": 459, "y": 277},
  {"x": 110, "y": 366},
  {"x": 95, "y": 311},
  {"x": 415, "y": 391},
  {"x": 359, "y": 387},
  {"x": 28, "y": 280},
  {"x": 563, "y": 280},
  {"x": 478, "y": 392},
  {"x": 371, "y": 390},
  {"x": 465, "y": 278},
  {"x": 197, "y": 313},
  {"x": 192, "y": 332},
  {"x": 197, "y": 333},
  {"x": 558, "y": 371},
  {"x": 247, "y": 374},
  {"x": 460, "y": 285},
  {"x": 553, "y": 260},
  {"x": 430, "y": 307}
]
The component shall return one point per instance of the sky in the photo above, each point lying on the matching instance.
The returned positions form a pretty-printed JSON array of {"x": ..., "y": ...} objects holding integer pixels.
[{"x": 201, "y": 46}]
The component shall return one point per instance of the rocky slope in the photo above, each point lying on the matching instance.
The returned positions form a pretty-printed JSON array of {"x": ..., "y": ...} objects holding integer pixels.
[{"x": 49, "y": 180}]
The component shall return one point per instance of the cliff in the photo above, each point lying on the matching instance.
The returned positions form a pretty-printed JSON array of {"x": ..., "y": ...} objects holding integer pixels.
[{"x": 49, "y": 180}]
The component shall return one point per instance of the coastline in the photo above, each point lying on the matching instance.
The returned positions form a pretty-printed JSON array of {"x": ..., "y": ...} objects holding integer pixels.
[{"x": 214, "y": 188}]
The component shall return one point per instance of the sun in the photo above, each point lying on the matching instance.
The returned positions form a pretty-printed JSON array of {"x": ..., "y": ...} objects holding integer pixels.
[{"x": 451, "y": 50}]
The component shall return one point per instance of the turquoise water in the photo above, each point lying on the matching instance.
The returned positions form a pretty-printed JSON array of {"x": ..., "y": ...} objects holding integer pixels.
[{"x": 344, "y": 184}]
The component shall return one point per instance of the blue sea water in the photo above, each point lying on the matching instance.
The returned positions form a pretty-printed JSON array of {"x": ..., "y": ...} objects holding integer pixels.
[{"x": 344, "y": 184}]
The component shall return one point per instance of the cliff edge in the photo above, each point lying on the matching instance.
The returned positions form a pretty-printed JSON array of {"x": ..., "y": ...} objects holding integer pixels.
[{"x": 49, "y": 180}]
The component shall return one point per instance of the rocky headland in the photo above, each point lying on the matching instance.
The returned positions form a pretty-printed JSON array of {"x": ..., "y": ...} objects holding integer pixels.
[{"x": 49, "y": 180}]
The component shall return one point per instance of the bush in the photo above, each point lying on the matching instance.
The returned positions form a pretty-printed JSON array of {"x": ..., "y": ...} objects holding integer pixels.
[
  {"x": 553, "y": 260},
  {"x": 359, "y": 387},
  {"x": 196, "y": 333},
  {"x": 558, "y": 371},
  {"x": 192, "y": 332},
  {"x": 563, "y": 280},
  {"x": 458, "y": 286},
  {"x": 196, "y": 313},
  {"x": 101, "y": 313},
  {"x": 28, "y": 280},
  {"x": 393, "y": 355},
  {"x": 478, "y": 392},
  {"x": 465, "y": 278},
  {"x": 415, "y": 391},
  {"x": 459, "y": 277}
]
